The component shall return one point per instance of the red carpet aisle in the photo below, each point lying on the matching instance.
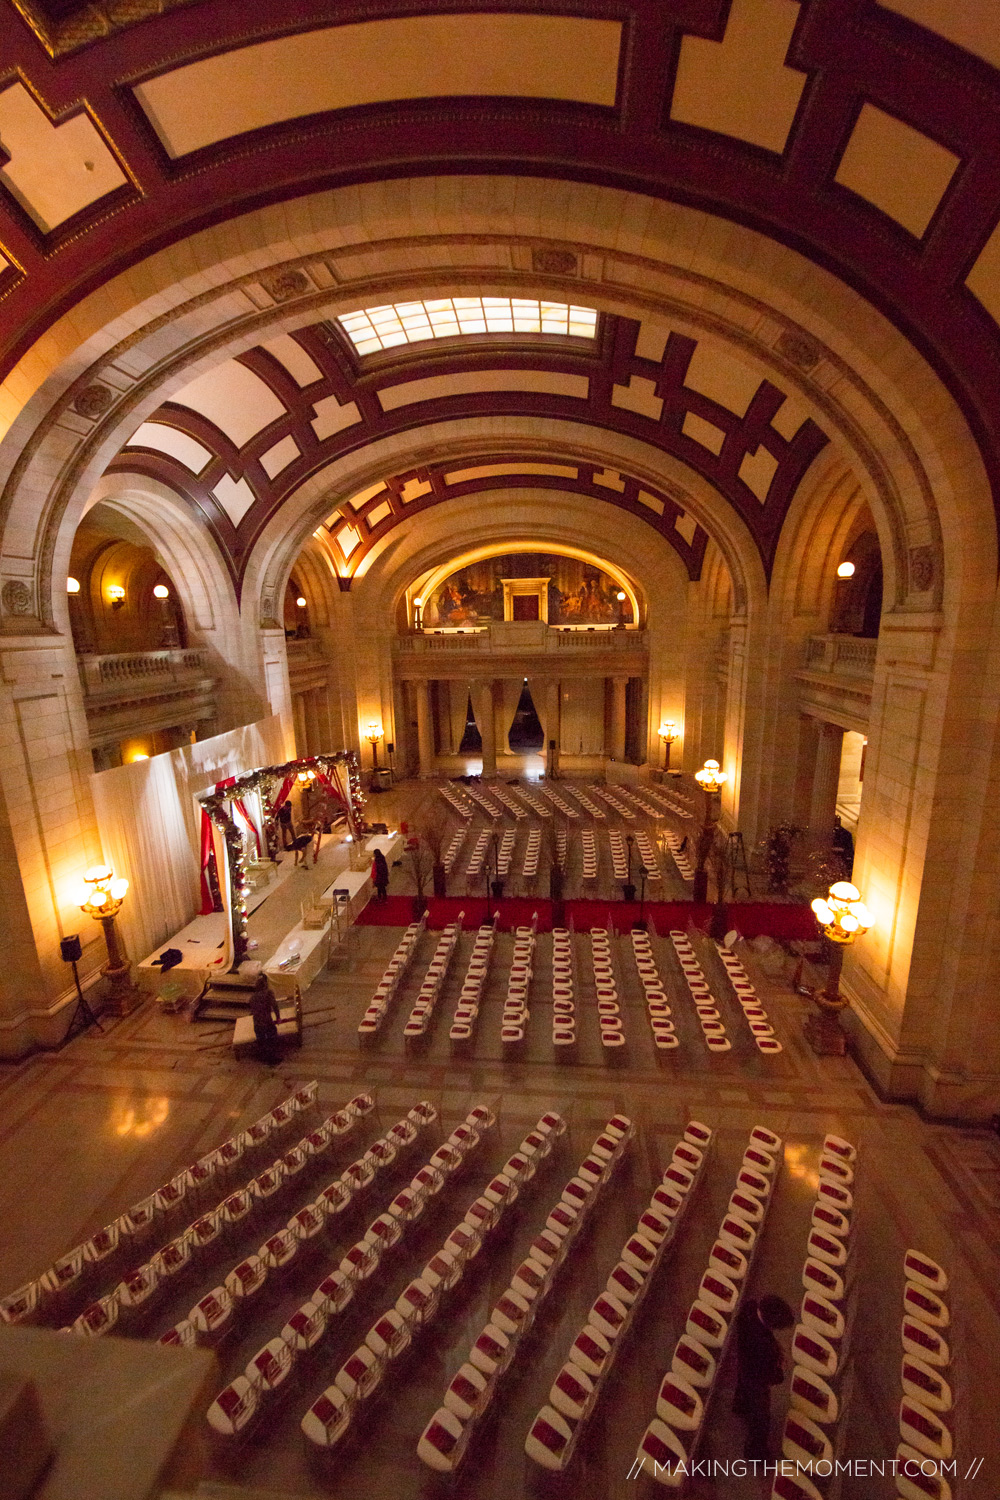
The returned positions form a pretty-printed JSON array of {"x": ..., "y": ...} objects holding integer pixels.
[{"x": 750, "y": 918}]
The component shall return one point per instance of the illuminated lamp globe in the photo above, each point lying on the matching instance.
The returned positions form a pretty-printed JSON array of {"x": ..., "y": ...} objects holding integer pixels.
[
  {"x": 72, "y": 585},
  {"x": 824, "y": 912},
  {"x": 843, "y": 890},
  {"x": 848, "y": 923},
  {"x": 119, "y": 888},
  {"x": 845, "y": 570},
  {"x": 98, "y": 873},
  {"x": 419, "y": 603},
  {"x": 115, "y": 591},
  {"x": 80, "y": 894},
  {"x": 300, "y": 601},
  {"x": 161, "y": 591},
  {"x": 621, "y": 596}
]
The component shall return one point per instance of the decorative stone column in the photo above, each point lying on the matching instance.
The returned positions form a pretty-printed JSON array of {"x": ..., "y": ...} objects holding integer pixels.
[
  {"x": 425, "y": 728},
  {"x": 826, "y": 780},
  {"x": 484, "y": 703},
  {"x": 619, "y": 686}
]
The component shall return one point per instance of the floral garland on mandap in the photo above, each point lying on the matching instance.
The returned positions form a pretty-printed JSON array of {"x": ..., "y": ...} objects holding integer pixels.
[{"x": 264, "y": 779}]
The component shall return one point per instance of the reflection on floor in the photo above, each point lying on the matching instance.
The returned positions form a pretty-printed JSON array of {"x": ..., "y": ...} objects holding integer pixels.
[{"x": 88, "y": 1131}]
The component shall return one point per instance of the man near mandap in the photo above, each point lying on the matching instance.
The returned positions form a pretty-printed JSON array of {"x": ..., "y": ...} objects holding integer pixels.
[
  {"x": 760, "y": 1364},
  {"x": 264, "y": 1009},
  {"x": 380, "y": 874}
]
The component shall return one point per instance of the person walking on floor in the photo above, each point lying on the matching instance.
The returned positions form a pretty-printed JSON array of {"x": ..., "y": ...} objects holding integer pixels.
[
  {"x": 380, "y": 874},
  {"x": 264, "y": 1009},
  {"x": 759, "y": 1365}
]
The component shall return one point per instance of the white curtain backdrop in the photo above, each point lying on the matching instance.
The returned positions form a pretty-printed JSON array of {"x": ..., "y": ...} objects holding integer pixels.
[{"x": 150, "y": 825}]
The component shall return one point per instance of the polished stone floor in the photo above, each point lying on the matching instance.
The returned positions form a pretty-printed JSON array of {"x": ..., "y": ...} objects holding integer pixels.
[{"x": 89, "y": 1130}]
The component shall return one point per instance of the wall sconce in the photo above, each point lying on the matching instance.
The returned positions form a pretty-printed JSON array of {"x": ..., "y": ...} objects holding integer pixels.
[
  {"x": 139, "y": 755},
  {"x": 161, "y": 591},
  {"x": 72, "y": 585},
  {"x": 116, "y": 594},
  {"x": 845, "y": 570}
]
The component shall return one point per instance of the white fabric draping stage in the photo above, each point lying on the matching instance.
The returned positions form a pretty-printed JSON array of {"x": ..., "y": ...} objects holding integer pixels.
[{"x": 150, "y": 824}]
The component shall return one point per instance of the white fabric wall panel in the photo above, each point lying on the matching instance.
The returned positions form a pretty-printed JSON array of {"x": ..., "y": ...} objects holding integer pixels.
[{"x": 583, "y": 717}]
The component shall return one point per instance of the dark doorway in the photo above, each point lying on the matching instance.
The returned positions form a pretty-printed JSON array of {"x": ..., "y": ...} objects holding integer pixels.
[
  {"x": 525, "y": 606},
  {"x": 526, "y": 727},
  {"x": 472, "y": 740}
]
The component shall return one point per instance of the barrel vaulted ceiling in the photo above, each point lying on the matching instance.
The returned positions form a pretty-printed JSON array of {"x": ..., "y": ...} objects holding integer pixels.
[
  {"x": 242, "y": 437},
  {"x": 864, "y": 135}
]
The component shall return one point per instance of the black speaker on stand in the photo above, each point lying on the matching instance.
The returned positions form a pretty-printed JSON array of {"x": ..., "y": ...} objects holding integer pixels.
[
  {"x": 390, "y": 750},
  {"x": 83, "y": 1016}
]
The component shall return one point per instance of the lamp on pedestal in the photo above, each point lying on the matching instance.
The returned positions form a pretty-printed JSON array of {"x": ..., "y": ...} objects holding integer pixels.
[
  {"x": 373, "y": 734},
  {"x": 418, "y": 614},
  {"x": 100, "y": 896},
  {"x": 621, "y": 596},
  {"x": 711, "y": 780},
  {"x": 667, "y": 733},
  {"x": 843, "y": 917}
]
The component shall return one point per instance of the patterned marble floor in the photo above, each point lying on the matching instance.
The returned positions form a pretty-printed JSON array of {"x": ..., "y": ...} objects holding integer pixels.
[{"x": 87, "y": 1131}]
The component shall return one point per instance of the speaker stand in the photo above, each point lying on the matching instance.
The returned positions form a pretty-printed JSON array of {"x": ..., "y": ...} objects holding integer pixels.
[{"x": 83, "y": 1017}]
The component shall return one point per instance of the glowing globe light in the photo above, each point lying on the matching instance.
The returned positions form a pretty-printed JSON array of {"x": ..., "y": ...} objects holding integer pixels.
[
  {"x": 711, "y": 778},
  {"x": 161, "y": 591}
]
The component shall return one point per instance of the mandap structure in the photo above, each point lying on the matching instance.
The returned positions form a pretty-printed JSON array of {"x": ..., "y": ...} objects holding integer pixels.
[{"x": 319, "y": 310}]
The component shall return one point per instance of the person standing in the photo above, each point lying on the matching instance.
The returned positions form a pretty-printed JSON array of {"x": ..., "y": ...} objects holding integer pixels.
[
  {"x": 760, "y": 1364},
  {"x": 380, "y": 875},
  {"x": 264, "y": 1009}
]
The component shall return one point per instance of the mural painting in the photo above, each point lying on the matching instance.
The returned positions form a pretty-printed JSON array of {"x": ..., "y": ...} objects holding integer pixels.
[{"x": 579, "y": 592}]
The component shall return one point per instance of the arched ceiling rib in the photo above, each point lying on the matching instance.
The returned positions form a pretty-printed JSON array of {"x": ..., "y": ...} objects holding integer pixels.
[
  {"x": 839, "y": 127},
  {"x": 243, "y": 437}
]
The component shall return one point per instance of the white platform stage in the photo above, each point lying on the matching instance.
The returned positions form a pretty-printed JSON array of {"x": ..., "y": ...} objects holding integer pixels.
[{"x": 276, "y": 929}]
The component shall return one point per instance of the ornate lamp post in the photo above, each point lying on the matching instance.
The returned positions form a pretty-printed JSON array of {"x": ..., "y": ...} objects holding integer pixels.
[
  {"x": 843, "y": 917},
  {"x": 711, "y": 780},
  {"x": 621, "y": 596},
  {"x": 418, "y": 614},
  {"x": 373, "y": 734},
  {"x": 668, "y": 733},
  {"x": 101, "y": 896}
]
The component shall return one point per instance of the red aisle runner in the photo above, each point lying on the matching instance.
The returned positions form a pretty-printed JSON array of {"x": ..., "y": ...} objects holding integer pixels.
[{"x": 750, "y": 918}]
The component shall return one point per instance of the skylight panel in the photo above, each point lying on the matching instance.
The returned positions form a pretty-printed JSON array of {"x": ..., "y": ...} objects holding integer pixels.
[{"x": 375, "y": 328}]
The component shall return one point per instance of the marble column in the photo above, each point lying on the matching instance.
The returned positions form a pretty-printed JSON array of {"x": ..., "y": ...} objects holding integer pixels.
[
  {"x": 619, "y": 686},
  {"x": 425, "y": 729},
  {"x": 484, "y": 704},
  {"x": 552, "y": 702},
  {"x": 823, "y": 805}
]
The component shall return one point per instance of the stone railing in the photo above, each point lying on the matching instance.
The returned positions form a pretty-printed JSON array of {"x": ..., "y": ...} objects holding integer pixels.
[
  {"x": 530, "y": 636},
  {"x": 841, "y": 655},
  {"x": 148, "y": 672}
]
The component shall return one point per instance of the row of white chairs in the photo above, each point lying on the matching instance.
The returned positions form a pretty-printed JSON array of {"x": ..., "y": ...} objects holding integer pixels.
[
  {"x": 559, "y": 802},
  {"x": 485, "y": 802},
  {"x": 927, "y": 1397},
  {"x": 114, "y": 1250},
  {"x": 454, "y": 849},
  {"x": 708, "y": 1014},
  {"x": 608, "y": 1010},
  {"x": 756, "y": 1016},
  {"x": 213, "y": 1318},
  {"x": 559, "y": 1425},
  {"x": 331, "y": 1414},
  {"x": 505, "y": 853},
  {"x": 672, "y": 1436},
  {"x": 677, "y": 802},
  {"x": 463, "y": 1023},
  {"x": 516, "y": 1011},
  {"x": 478, "y": 855},
  {"x": 237, "y": 1406},
  {"x": 144, "y": 1285},
  {"x": 532, "y": 853},
  {"x": 433, "y": 983},
  {"x": 457, "y": 801},
  {"x": 534, "y": 802},
  {"x": 641, "y": 801},
  {"x": 665, "y": 1037},
  {"x": 445, "y": 1440},
  {"x": 589, "y": 841},
  {"x": 819, "y": 1339},
  {"x": 588, "y": 804},
  {"x": 619, "y": 856},
  {"x": 503, "y": 795},
  {"x": 563, "y": 988},
  {"x": 616, "y": 803},
  {"x": 647, "y": 855},
  {"x": 388, "y": 986},
  {"x": 680, "y": 856}
]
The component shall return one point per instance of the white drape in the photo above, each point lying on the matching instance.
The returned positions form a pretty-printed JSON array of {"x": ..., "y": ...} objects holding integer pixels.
[{"x": 150, "y": 825}]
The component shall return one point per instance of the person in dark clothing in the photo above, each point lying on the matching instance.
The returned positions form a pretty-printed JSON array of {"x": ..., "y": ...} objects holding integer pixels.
[
  {"x": 264, "y": 1009},
  {"x": 284, "y": 821},
  {"x": 380, "y": 874},
  {"x": 759, "y": 1365}
]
